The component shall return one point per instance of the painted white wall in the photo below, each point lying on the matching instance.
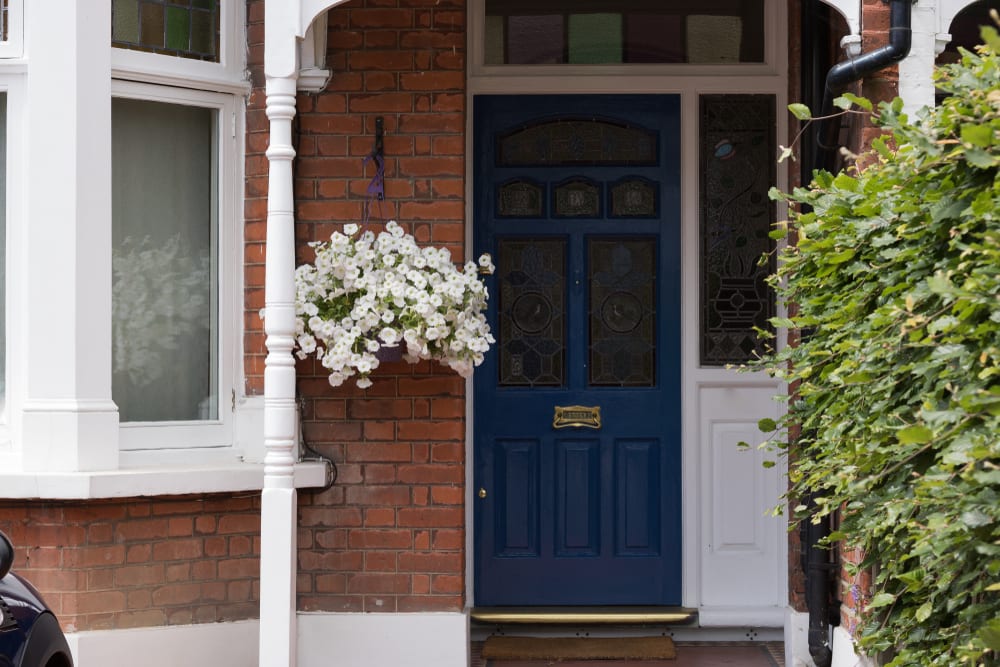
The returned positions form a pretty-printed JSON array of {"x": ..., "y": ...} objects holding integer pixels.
[
  {"x": 797, "y": 640},
  {"x": 843, "y": 651},
  {"x": 400, "y": 640},
  {"x": 205, "y": 645}
]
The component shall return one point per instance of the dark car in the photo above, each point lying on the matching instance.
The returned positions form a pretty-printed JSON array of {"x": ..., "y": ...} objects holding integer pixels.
[{"x": 30, "y": 635}]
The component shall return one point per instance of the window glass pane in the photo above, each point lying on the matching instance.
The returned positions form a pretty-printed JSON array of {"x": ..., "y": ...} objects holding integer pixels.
[
  {"x": 164, "y": 235},
  {"x": 737, "y": 170},
  {"x": 535, "y": 40},
  {"x": 532, "y": 343},
  {"x": 4, "y": 14},
  {"x": 713, "y": 39},
  {"x": 654, "y": 38},
  {"x": 3, "y": 246},
  {"x": 629, "y": 31},
  {"x": 184, "y": 29},
  {"x": 595, "y": 38},
  {"x": 622, "y": 314}
]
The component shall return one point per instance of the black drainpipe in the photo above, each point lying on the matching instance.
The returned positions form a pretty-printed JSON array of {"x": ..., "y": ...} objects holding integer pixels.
[
  {"x": 818, "y": 565},
  {"x": 848, "y": 71}
]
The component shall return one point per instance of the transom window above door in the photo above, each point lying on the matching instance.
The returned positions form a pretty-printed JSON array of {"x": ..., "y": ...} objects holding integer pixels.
[{"x": 603, "y": 32}]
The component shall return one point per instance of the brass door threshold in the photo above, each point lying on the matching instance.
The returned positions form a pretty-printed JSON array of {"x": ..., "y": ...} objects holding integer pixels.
[{"x": 584, "y": 615}]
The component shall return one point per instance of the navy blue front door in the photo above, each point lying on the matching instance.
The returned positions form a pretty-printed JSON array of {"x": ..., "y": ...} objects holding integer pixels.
[{"x": 577, "y": 408}]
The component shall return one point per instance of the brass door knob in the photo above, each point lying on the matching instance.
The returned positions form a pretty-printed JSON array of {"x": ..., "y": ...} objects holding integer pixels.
[{"x": 482, "y": 492}]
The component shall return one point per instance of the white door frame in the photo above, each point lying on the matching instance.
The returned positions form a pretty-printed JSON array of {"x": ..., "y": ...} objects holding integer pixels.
[{"x": 728, "y": 403}]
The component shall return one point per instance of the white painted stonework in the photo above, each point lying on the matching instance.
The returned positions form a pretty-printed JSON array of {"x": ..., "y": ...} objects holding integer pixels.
[
  {"x": 797, "y": 640},
  {"x": 400, "y": 640},
  {"x": 205, "y": 645},
  {"x": 843, "y": 651}
]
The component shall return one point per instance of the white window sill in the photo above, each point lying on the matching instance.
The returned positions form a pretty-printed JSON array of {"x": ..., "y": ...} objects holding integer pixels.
[{"x": 152, "y": 481}]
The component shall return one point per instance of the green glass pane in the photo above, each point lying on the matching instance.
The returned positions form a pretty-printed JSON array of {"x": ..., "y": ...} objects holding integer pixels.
[
  {"x": 494, "y": 40},
  {"x": 204, "y": 4},
  {"x": 178, "y": 29},
  {"x": 203, "y": 32},
  {"x": 714, "y": 39},
  {"x": 125, "y": 21},
  {"x": 151, "y": 19},
  {"x": 595, "y": 38}
]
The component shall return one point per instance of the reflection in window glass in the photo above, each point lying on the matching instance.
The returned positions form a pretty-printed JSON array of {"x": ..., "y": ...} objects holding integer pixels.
[
  {"x": 164, "y": 235},
  {"x": 535, "y": 32},
  {"x": 3, "y": 246}
]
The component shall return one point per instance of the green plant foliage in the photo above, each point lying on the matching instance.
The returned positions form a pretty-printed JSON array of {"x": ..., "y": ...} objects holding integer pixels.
[{"x": 895, "y": 273}]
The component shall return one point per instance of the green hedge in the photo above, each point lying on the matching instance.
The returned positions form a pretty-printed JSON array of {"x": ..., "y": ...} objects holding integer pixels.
[{"x": 896, "y": 276}]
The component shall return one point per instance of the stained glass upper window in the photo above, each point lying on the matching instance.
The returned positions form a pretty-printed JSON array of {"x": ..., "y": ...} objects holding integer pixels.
[
  {"x": 548, "y": 32},
  {"x": 182, "y": 28}
]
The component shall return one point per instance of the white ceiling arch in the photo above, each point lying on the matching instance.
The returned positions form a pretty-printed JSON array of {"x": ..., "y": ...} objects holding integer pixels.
[{"x": 850, "y": 10}]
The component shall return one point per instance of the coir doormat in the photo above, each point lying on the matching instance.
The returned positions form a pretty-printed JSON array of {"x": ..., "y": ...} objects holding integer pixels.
[{"x": 576, "y": 648}]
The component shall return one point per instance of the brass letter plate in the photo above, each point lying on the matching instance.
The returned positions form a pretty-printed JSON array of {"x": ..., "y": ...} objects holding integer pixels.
[{"x": 579, "y": 416}]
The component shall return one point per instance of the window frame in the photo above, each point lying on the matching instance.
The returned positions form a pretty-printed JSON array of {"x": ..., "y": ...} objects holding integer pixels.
[
  {"x": 227, "y": 75},
  {"x": 478, "y": 69},
  {"x": 13, "y": 46},
  {"x": 138, "y": 439},
  {"x": 13, "y": 87}
]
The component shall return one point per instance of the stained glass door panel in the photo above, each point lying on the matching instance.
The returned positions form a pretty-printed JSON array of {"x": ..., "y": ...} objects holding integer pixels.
[{"x": 577, "y": 439}]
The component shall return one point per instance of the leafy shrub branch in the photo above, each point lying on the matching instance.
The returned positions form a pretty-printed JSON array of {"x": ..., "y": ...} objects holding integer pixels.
[{"x": 895, "y": 274}]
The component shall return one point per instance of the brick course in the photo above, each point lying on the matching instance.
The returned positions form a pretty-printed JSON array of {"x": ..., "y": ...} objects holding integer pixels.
[{"x": 108, "y": 564}]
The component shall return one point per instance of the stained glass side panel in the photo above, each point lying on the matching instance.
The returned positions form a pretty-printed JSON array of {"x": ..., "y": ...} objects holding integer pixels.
[
  {"x": 622, "y": 311},
  {"x": 577, "y": 141},
  {"x": 737, "y": 169},
  {"x": 532, "y": 312},
  {"x": 188, "y": 29}
]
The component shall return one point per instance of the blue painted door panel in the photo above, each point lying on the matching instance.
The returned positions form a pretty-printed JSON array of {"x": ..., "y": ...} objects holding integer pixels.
[{"x": 578, "y": 516}]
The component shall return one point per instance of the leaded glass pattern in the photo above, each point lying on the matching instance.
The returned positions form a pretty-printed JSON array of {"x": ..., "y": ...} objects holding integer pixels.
[
  {"x": 604, "y": 32},
  {"x": 577, "y": 198},
  {"x": 622, "y": 311},
  {"x": 633, "y": 197},
  {"x": 737, "y": 146},
  {"x": 182, "y": 28},
  {"x": 532, "y": 312},
  {"x": 520, "y": 199},
  {"x": 571, "y": 141}
]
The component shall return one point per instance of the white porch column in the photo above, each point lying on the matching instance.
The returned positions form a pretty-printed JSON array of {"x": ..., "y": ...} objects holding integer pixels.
[
  {"x": 279, "y": 516},
  {"x": 916, "y": 87},
  {"x": 285, "y": 24},
  {"x": 68, "y": 420}
]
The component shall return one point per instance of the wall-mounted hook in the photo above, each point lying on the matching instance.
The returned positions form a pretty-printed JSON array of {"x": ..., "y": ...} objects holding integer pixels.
[{"x": 378, "y": 151}]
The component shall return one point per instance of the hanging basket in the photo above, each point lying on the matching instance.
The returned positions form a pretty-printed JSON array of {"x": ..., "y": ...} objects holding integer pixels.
[{"x": 389, "y": 354}]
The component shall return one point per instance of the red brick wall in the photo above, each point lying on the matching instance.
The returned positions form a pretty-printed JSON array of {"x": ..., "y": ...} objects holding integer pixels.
[
  {"x": 881, "y": 86},
  {"x": 108, "y": 564},
  {"x": 389, "y": 535}
]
